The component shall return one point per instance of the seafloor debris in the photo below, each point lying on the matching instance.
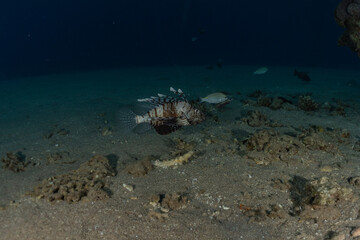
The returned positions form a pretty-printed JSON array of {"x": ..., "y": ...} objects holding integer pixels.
[
  {"x": 274, "y": 103},
  {"x": 264, "y": 101},
  {"x": 316, "y": 141},
  {"x": 325, "y": 192},
  {"x": 317, "y": 193},
  {"x": 266, "y": 146},
  {"x": 106, "y": 131},
  {"x": 56, "y": 131},
  {"x": 325, "y": 139},
  {"x": 356, "y": 146},
  {"x": 355, "y": 181},
  {"x": 180, "y": 160},
  {"x": 277, "y": 103},
  {"x": 170, "y": 201},
  {"x": 182, "y": 147},
  {"x": 164, "y": 203},
  {"x": 59, "y": 158},
  {"x": 14, "y": 162},
  {"x": 255, "y": 119},
  {"x": 129, "y": 187},
  {"x": 142, "y": 167},
  {"x": 307, "y": 104},
  {"x": 275, "y": 211},
  {"x": 347, "y": 15},
  {"x": 86, "y": 183}
]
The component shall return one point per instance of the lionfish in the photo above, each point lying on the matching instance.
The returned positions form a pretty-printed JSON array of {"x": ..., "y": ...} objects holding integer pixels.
[{"x": 166, "y": 114}]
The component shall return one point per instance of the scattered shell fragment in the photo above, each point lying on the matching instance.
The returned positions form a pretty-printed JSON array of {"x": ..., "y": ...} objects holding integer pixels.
[
  {"x": 129, "y": 187},
  {"x": 176, "y": 161},
  {"x": 355, "y": 232},
  {"x": 326, "y": 169},
  {"x": 106, "y": 131}
]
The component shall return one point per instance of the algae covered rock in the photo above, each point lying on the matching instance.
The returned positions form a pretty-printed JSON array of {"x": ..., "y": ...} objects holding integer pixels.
[
  {"x": 14, "y": 162},
  {"x": 142, "y": 167},
  {"x": 307, "y": 104},
  {"x": 325, "y": 192},
  {"x": 88, "y": 182},
  {"x": 266, "y": 146}
]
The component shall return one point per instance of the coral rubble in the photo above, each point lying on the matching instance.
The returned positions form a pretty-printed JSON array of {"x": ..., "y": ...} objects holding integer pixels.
[
  {"x": 140, "y": 168},
  {"x": 163, "y": 203},
  {"x": 347, "y": 15},
  {"x": 85, "y": 183},
  {"x": 180, "y": 160},
  {"x": 14, "y": 162},
  {"x": 307, "y": 104}
]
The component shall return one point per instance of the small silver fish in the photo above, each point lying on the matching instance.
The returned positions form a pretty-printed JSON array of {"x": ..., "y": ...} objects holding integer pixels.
[
  {"x": 261, "y": 71},
  {"x": 215, "y": 98},
  {"x": 166, "y": 115}
]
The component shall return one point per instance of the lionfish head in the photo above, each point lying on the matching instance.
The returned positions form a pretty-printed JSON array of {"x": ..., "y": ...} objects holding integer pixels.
[{"x": 196, "y": 116}]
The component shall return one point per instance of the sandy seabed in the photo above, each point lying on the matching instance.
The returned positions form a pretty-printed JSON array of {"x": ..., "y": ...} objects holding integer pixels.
[{"x": 281, "y": 161}]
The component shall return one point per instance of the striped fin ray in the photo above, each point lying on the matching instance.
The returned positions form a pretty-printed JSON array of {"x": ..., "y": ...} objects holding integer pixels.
[
  {"x": 179, "y": 93},
  {"x": 157, "y": 101}
]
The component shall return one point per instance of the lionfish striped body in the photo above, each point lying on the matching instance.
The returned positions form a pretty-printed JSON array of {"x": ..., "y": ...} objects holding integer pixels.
[{"x": 169, "y": 114}]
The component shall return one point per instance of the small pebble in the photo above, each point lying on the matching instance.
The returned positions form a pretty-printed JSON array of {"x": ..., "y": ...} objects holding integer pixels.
[
  {"x": 326, "y": 169},
  {"x": 128, "y": 187}
]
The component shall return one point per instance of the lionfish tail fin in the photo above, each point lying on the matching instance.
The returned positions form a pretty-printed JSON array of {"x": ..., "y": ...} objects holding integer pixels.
[
  {"x": 128, "y": 124},
  {"x": 127, "y": 119}
]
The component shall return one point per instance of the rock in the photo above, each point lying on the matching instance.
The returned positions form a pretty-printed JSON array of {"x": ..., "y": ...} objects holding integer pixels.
[
  {"x": 170, "y": 201},
  {"x": 326, "y": 169},
  {"x": 356, "y": 146},
  {"x": 355, "y": 181},
  {"x": 141, "y": 168},
  {"x": 264, "y": 101},
  {"x": 307, "y": 104},
  {"x": 255, "y": 119},
  {"x": 14, "y": 162},
  {"x": 88, "y": 182},
  {"x": 325, "y": 192},
  {"x": 276, "y": 103},
  {"x": 267, "y": 146},
  {"x": 129, "y": 187}
]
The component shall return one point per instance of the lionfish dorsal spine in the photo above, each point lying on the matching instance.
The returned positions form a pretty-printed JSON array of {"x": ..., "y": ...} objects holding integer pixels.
[{"x": 179, "y": 93}]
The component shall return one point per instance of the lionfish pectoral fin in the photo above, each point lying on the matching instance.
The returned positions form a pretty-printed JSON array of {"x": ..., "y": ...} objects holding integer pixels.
[
  {"x": 166, "y": 125},
  {"x": 166, "y": 129}
]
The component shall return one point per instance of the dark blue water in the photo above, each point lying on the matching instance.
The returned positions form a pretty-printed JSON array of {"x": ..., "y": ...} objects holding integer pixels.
[{"x": 38, "y": 37}]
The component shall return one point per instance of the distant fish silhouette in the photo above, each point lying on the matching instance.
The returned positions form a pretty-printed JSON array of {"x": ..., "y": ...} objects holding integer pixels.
[
  {"x": 302, "y": 75},
  {"x": 261, "y": 71}
]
